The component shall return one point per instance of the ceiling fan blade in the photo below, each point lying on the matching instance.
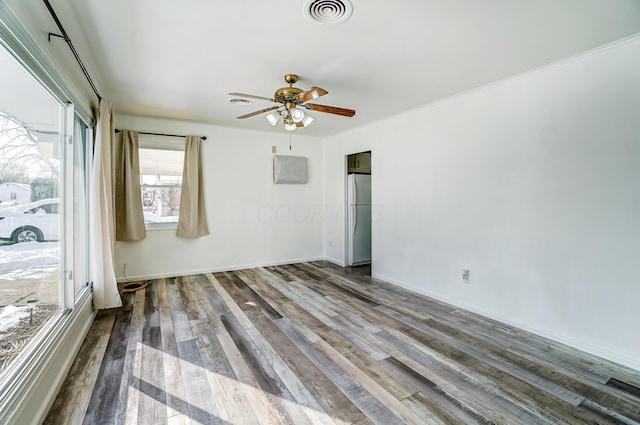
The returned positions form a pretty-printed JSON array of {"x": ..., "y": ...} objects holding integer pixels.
[
  {"x": 313, "y": 93},
  {"x": 330, "y": 109},
  {"x": 258, "y": 112},
  {"x": 252, "y": 96}
]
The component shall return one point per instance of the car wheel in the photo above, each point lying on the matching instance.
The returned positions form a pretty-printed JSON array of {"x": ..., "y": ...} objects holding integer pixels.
[{"x": 27, "y": 234}]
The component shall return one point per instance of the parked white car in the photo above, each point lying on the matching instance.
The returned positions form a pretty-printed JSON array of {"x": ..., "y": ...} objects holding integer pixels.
[{"x": 35, "y": 221}]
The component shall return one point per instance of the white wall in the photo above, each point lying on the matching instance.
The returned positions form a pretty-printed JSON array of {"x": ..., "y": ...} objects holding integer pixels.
[
  {"x": 252, "y": 221},
  {"x": 532, "y": 183}
]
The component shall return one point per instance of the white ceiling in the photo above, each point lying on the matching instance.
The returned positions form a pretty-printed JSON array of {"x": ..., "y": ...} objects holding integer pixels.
[{"x": 180, "y": 59}]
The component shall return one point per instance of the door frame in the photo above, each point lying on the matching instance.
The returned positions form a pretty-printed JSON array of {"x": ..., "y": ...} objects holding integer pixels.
[{"x": 347, "y": 208}]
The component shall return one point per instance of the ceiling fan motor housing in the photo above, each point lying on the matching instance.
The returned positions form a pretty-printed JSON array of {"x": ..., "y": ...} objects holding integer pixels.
[{"x": 288, "y": 94}]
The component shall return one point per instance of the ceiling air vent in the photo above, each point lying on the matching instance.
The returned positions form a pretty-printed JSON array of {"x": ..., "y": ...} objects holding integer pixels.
[
  {"x": 240, "y": 102},
  {"x": 328, "y": 11}
]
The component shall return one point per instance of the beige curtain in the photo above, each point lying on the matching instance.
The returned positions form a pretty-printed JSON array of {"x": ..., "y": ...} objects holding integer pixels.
[
  {"x": 101, "y": 219},
  {"x": 193, "y": 220},
  {"x": 127, "y": 195}
]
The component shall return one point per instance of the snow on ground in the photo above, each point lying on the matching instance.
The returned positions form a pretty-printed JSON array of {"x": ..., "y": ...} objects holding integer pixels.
[
  {"x": 29, "y": 254},
  {"x": 29, "y": 270},
  {"x": 10, "y": 316},
  {"x": 31, "y": 273}
]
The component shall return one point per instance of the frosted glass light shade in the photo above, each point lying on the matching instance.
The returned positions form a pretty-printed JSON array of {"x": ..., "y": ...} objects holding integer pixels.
[
  {"x": 273, "y": 118},
  {"x": 290, "y": 127},
  {"x": 297, "y": 115},
  {"x": 307, "y": 120}
]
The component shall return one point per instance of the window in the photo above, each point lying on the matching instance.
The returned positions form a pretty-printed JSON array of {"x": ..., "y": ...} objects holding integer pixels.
[
  {"x": 160, "y": 180},
  {"x": 43, "y": 256},
  {"x": 33, "y": 285}
]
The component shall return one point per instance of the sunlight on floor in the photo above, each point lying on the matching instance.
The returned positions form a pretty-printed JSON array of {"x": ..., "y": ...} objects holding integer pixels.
[{"x": 153, "y": 391}]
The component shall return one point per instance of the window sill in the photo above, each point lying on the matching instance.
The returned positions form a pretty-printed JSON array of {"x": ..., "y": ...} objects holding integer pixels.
[{"x": 161, "y": 226}]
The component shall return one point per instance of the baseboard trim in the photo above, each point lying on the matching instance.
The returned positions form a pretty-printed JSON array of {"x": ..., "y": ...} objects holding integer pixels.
[
  {"x": 628, "y": 361},
  {"x": 217, "y": 269},
  {"x": 336, "y": 262}
]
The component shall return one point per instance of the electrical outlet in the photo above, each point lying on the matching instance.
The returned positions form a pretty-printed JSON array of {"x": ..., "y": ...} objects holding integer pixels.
[
  {"x": 273, "y": 149},
  {"x": 466, "y": 276}
]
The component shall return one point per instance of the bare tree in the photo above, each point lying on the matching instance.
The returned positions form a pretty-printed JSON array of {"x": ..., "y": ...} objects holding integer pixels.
[
  {"x": 165, "y": 195},
  {"x": 171, "y": 198},
  {"x": 19, "y": 152},
  {"x": 14, "y": 175}
]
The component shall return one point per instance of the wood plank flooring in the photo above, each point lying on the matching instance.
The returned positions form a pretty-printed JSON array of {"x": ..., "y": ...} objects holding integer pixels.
[{"x": 314, "y": 343}]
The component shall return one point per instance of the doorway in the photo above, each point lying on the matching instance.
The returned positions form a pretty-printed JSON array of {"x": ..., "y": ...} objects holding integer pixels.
[{"x": 358, "y": 211}]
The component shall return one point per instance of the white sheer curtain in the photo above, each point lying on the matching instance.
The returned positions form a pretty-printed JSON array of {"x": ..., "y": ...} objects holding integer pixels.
[
  {"x": 127, "y": 198},
  {"x": 192, "y": 222},
  {"x": 101, "y": 222}
]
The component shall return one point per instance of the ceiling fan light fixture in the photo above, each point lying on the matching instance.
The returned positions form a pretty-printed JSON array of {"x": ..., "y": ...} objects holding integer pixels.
[
  {"x": 290, "y": 126},
  {"x": 273, "y": 118},
  {"x": 297, "y": 115},
  {"x": 307, "y": 120}
]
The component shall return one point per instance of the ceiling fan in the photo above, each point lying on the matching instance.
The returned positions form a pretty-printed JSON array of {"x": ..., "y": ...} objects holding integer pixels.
[{"x": 293, "y": 100}]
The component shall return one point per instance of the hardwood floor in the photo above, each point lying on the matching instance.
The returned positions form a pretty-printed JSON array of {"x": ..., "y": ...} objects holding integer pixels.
[{"x": 314, "y": 343}]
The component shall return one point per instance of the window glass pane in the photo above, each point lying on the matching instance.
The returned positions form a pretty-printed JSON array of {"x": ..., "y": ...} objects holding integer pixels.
[
  {"x": 80, "y": 205},
  {"x": 31, "y": 175},
  {"x": 161, "y": 183}
]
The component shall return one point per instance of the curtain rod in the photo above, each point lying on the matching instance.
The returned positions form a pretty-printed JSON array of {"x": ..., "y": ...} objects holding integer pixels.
[
  {"x": 161, "y": 134},
  {"x": 66, "y": 38}
]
